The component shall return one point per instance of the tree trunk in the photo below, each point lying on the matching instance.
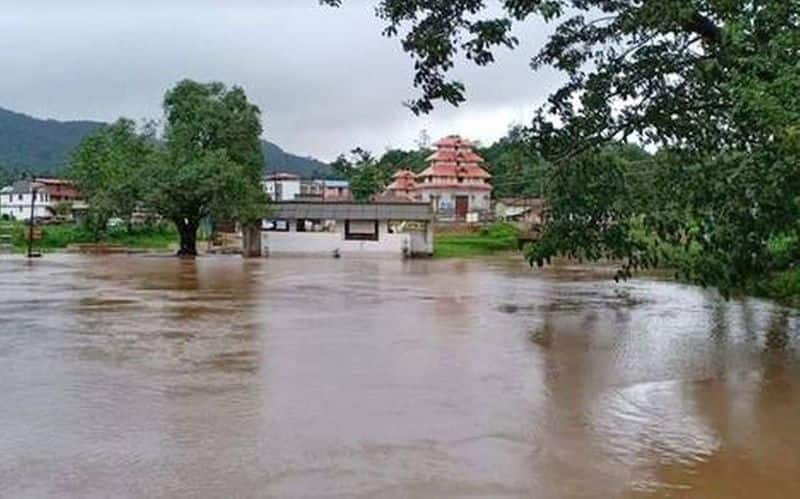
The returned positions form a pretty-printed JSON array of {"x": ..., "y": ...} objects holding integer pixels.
[
  {"x": 251, "y": 240},
  {"x": 187, "y": 229}
]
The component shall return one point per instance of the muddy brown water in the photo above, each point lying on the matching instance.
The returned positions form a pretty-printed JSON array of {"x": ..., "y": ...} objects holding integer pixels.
[{"x": 131, "y": 376}]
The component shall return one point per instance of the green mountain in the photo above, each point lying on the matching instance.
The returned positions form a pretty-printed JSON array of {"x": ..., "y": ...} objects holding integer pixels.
[
  {"x": 278, "y": 160},
  {"x": 38, "y": 146},
  {"x": 29, "y": 144}
]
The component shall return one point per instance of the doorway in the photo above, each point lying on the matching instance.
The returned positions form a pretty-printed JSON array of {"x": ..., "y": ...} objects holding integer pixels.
[{"x": 462, "y": 206}]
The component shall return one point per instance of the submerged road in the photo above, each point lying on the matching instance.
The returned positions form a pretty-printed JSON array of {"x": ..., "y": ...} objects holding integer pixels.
[{"x": 155, "y": 377}]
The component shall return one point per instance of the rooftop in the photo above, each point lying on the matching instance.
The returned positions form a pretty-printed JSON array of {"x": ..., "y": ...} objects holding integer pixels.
[
  {"x": 21, "y": 187},
  {"x": 294, "y": 210},
  {"x": 282, "y": 176},
  {"x": 336, "y": 183}
]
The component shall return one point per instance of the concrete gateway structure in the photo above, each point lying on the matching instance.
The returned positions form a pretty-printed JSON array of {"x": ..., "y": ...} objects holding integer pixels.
[{"x": 342, "y": 228}]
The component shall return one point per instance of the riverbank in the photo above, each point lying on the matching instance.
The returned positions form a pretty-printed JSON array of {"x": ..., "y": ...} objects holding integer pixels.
[
  {"x": 61, "y": 236},
  {"x": 783, "y": 287},
  {"x": 484, "y": 241}
]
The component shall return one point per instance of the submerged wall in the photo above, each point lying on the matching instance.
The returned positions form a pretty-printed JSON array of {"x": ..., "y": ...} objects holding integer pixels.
[{"x": 293, "y": 242}]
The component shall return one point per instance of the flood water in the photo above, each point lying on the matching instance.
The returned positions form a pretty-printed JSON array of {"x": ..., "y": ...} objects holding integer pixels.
[{"x": 130, "y": 376}]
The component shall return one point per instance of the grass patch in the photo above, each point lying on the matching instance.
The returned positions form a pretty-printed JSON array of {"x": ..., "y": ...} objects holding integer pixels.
[
  {"x": 492, "y": 239},
  {"x": 56, "y": 237},
  {"x": 160, "y": 237}
]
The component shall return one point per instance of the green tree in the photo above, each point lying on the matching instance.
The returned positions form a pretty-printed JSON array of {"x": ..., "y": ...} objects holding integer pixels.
[
  {"x": 712, "y": 85},
  {"x": 361, "y": 169},
  {"x": 517, "y": 171},
  {"x": 397, "y": 159},
  {"x": 107, "y": 168},
  {"x": 211, "y": 162}
]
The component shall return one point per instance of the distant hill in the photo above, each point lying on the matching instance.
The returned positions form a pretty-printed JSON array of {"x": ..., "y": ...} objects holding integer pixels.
[
  {"x": 43, "y": 146},
  {"x": 278, "y": 160},
  {"x": 39, "y": 146}
]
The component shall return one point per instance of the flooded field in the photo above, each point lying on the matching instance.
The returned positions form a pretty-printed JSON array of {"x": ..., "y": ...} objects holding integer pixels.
[{"x": 155, "y": 377}]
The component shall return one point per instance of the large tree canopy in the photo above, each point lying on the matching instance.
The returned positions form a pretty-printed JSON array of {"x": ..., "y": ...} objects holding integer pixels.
[
  {"x": 712, "y": 85},
  {"x": 108, "y": 168},
  {"x": 207, "y": 165},
  {"x": 212, "y": 160}
]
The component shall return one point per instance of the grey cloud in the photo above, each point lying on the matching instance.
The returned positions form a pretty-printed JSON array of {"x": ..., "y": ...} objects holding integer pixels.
[{"x": 326, "y": 79}]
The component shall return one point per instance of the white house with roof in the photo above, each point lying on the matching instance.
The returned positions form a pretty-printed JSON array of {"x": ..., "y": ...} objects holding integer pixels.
[
  {"x": 347, "y": 228},
  {"x": 16, "y": 200},
  {"x": 281, "y": 186}
]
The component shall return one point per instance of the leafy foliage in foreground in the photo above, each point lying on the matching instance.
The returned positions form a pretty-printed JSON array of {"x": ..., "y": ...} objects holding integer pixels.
[{"x": 714, "y": 86}]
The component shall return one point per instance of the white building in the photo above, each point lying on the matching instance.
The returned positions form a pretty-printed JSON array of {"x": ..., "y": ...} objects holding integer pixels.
[
  {"x": 327, "y": 190},
  {"x": 346, "y": 228},
  {"x": 15, "y": 201},
  {"x": 281, "y": 186}
]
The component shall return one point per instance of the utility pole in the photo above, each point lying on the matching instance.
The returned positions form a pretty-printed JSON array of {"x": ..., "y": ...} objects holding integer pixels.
[{"x": 34, "y": 191}]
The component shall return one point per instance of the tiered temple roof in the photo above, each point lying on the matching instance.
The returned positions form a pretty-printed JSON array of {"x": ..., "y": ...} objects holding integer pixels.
[
  {"x": 454, "y": 165},
  {"x": 453, "y": 162},
  {"x": 403, "y": 182}
]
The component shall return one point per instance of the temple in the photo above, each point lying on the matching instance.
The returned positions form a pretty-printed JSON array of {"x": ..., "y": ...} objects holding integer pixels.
[{"x": 455, "y": 182}]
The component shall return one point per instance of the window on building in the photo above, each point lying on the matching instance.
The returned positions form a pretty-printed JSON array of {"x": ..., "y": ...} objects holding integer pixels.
[
  {"x": 275, "y": 225},
  {"x": 19, "y": 197},
  {"x": 361, "y": 230},
  {"x": 315, "y": 225}
]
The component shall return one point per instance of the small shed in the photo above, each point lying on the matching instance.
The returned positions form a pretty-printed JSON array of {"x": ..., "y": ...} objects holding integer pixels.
[
  {"x": 526, "y": 212},
  {"x": 346, "y": 228}
]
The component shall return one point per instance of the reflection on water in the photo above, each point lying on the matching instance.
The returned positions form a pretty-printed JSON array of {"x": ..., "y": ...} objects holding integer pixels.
[{"x": 158, "y": 377}]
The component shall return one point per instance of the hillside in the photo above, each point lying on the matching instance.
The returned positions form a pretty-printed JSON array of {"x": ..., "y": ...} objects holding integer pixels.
[
  {"x": 39, "y": 146},
  {"x": 278, "y": 160},
  {"x": 43, "y": 146}
]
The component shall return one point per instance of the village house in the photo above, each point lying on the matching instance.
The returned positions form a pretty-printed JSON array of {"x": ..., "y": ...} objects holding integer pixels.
[
  {"x": 59, "y": 190},
  {"x": 345, "y": 228},
  {"x": 336, "y": 190},
  {"x": 16, "y": 200},
  {"x": 45, "y": 193},
  {"x": 454, "y": 183},
  {"x": 325, "y": 190},
  {"x": 281, "y": 186}
]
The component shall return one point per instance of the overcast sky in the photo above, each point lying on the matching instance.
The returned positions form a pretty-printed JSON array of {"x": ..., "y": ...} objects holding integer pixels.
[{"x": 325, "y": 79}]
